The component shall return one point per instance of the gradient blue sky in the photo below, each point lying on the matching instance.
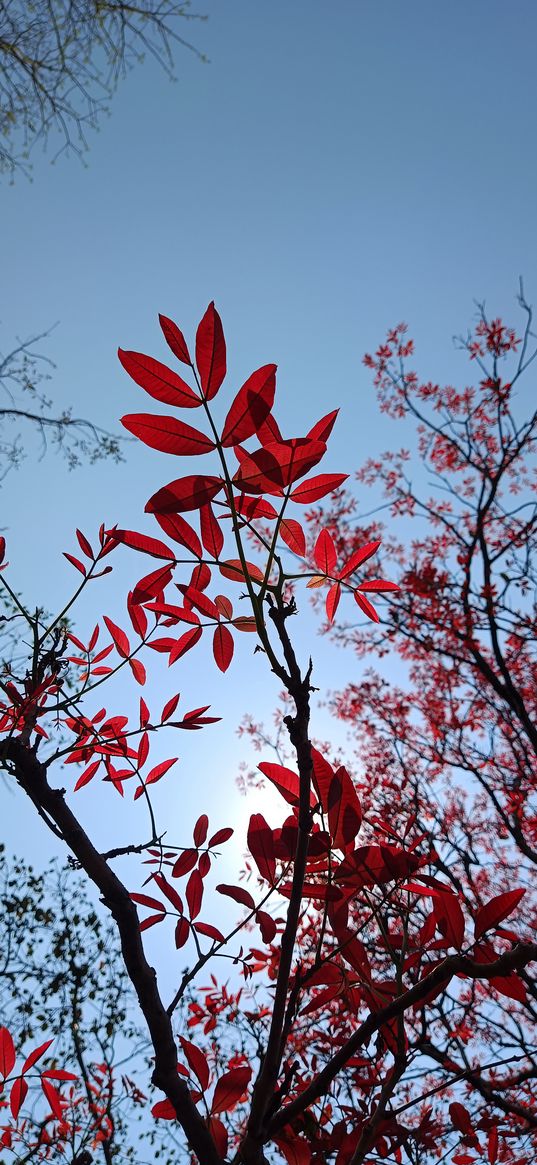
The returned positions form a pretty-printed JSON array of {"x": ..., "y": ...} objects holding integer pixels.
[{"x": 333, "y": 169}]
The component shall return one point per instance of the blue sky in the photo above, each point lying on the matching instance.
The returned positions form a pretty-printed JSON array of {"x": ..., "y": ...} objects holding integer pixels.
[{"x": 333, "y": 169}]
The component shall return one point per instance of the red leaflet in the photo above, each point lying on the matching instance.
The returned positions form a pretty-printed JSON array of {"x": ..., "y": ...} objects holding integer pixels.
[
  {"x": 323, "y": 428},
  {"x": 492, "y": 1145},
  {"x": 17, "y": 1095},
  {"x": 219, "y": 1134},
  {"x": 372, "y": 865},
  {"x": 223, "y": 647},
  {"x": 159, "y": 770},
  {"x": 211, "y": 534},
  {"x": 147, "y": 900},
  {"x": 318, "y": 487},
  {"x": 151, "y": 921},
  {"x": 266, "y": 925},
  {"x": 202, "y": 602},
  {"x": 269, "y": 431},
  {"x": 138, "y": 671},
  {"x": 2, "y": 548},
  {"x": 251, "y": 406},
  {"x": 493, "y": 912},
  {"x": 194, "y": 893},
  {"x": 185, "y": 863},
  {"x": 332, "y": 601},
  {"x": 232, "y": 569},
  {"x": 450, "y": 918},
  {"x": 211, "y": 352},
  {"x": 53, "y": 1098},
  {"x": 200, "y": 829},
  {"x": 75, "y": 562},
  {"x": 7, "y": 1052},
  {"x": 254, "y": 507},
  {"x": 169, "y": 708},
  {"x": 224, "y": 605},
  {"x": 285, "y": 780},
  {"x": 151, "y": 585},
  {"x": 175, "y": 339},
  {"x": 167, "y": 434},
  {"x": 220, "y": 837},
  {"x": 178, "y": 528},
  {"x": 325, "y": 553},
  {"x": 460, "y": 1117},
  {"x": 184, "y": 643},
  {"x": 238, "y": 893},
  {"x": 360, "y": 556},
  {"x": 379, "y": 586},
  {"x": 169, "y": 891},
  {"x": 278, "y": 464},
  {"x": 293, "y": 536},
  {"x": 197, "y": 1062},
  {"x": 230, "y": 1088},
  {"x": 119, "y": 637},
  {"x": 344, "y": 810},
  {"x": 185, "y": 493},
  {"x": 158, "y": 380},
  {"x": 58, "y": 1074},
  {"x": 260, "y": 841},
  {"x": 366, "y": 607},
  {"x": 35, "y": 1056},
  {"x": 87, "y": 775},
  {"x": 85, "y": 546},
  {"x": 164, "y": 1110},
  {"x": 182, "y": 931},
  {"x": 209, "y": 931},
  {"x": 295, "y": 1149}
]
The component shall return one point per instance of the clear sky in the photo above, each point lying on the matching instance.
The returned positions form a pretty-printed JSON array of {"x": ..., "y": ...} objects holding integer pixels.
[{"x": 335, "y": 167}]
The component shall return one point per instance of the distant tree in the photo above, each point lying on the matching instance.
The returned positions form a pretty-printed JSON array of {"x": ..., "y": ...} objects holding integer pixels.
[
  {"x": 23, "y": 406},
  {"x": 61, "y": 60}
]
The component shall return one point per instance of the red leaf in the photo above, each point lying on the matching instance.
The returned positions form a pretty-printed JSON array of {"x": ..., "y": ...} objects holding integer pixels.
[
  {"x": 238, "y": 893},
  {"x": 179, "y": 529},
  {"x": 232, "y": 569},
  {"x": 323, "y": 428},
  {"x": 266, "y": 925},
  {"x": 147, "y": 900},
  {"x": 164, "y": 1110},
  {"x": 260, "y": 842},
  {"x": 151, "y": 585},
  {"x": 182, "y": 931},
  {"x": 185, "y": 863},
  {"x": 360, "y": 556},
  {"x": 169, "y": 708},
  {"x": 332, "y": 601},
  {"x": 17, "y": 1096},
  {"x": 197, "y": 1062},
  {"x": 285, "y": 780},
  {"x": 53, "y": 1098},
  {"x": 324, "y": 553},
  {"x": 87, "y": 775},
  {"x": 219, "y": 837},
  {"x": 75, "y": 562},
  {"x": 185, "y": 493},
  {"x": 379, "y": 586},
  {"x": 219, "y": 1134},
  {"x": 254, "y": 507},
  {"x": 184, "y": 643},
  {"x": 85, "y": 546},
  {"x": 119, "y": 637},
  {"x": 460, "y": 1117},
  {"x": 169, "y": 891},
  {"x": 152, "y": 921},
  {"x": 141, "y": 542},
  {"x": 194, "y": 893},
  {"x": 138, "y": 671},
  {"x": 293, "y": 536},
  {"x": 211, "y": 352},
  {"x": 366, "y": 607},
  {"x": 223, "y": 647},
  {"x": 167, "y": 434},
  {"x": 344, "y": 810},
  {"x": 278, "y": 464},
  {"x": 35, "y": 1056},
  {"x": 159, "y": 771},
  {"x": 211, "y": 533},
  {"x": 158, "y": 380},
  {"x": 7, "y": 1052},
  {"x": 230, "y": 1089},
  {"x": 59, "y": 1074},
  {"x": 175, "y": 339},
  {"x": 318, "y": 487},
  {"x": 492, "y": 1145},
  {"x": 450, "y": 918},
  {"x": 209, "y": 931},
  {"x": 493, "y": 912},
  {"x": 251, "y": 406},
  {"x": 200, "y": 829}
]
